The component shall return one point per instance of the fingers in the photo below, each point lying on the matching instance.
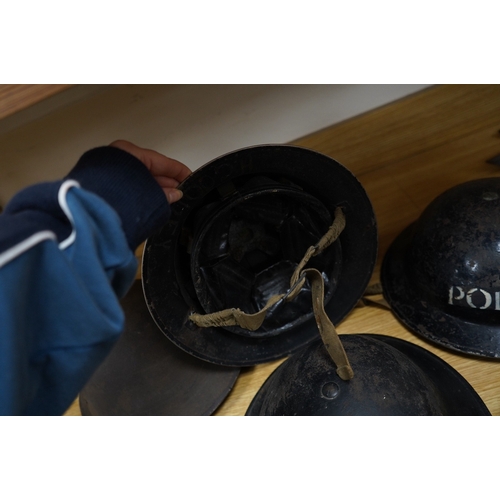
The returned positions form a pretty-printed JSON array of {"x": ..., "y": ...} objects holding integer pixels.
[
  {"x": 173, "y": 195},
  {"x": 166, "y": 182},
  {"x": 158, "y": 164},
  {"x": 169, "y": 173},
  {"x": 168, "y": 167}
]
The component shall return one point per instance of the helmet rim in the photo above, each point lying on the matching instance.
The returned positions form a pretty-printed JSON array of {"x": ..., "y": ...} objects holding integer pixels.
[{"x": 319, "y": 175}]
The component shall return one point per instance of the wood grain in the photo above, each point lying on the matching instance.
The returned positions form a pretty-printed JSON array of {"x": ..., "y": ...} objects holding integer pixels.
[
  {"x": 405, "y": 154},
  {"x": 14, "y": 98}
]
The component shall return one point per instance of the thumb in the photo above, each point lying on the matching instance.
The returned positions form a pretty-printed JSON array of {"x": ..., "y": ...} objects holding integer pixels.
[{"x": 173, "y": 195}]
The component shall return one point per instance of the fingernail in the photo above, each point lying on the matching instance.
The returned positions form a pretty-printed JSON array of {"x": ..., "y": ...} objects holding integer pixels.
[{"x": 174, "y": 195}]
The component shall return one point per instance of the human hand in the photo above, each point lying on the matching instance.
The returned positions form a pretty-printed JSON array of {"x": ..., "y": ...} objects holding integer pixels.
[{"x": 167, "y": 172}]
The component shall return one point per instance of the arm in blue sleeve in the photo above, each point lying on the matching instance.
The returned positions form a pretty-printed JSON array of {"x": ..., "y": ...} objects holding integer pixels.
[{"x": 66, "y": 258}]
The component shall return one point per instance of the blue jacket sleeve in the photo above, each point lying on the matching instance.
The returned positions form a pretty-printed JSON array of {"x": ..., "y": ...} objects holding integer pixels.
[{"x": 66, "y": 258}]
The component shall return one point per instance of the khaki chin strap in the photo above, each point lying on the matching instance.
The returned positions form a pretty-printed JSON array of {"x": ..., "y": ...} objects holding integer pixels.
[
  {"x": 329, "y": 335},
  {"x": 326, "y": 329}
]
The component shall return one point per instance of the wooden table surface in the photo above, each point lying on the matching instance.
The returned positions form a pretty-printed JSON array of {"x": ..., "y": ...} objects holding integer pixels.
[
  {"x": 405, "y": 154},
  {"x": 14, "y": 98}
]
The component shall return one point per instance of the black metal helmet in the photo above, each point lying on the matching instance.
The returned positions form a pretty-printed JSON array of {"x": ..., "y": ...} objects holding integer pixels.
[
  {"x": 441, "y": 276},
  {"x": 145, "y": 374},
  {"x": 391, "y": 377},
  {"x": 234, "y": 240}
]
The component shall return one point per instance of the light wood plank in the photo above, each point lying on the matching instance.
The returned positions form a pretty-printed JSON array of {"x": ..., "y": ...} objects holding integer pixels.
[
  {"x": 421, "y": 122},
  {"x": 14, "y": 98}
]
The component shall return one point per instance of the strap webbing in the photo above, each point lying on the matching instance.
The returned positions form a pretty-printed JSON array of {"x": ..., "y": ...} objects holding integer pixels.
[{"x": 236, "y": 317}]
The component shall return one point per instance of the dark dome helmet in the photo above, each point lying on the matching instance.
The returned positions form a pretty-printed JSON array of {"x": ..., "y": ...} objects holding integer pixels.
[
  {"x": 234, "y": 240},
  {"x": 391, "y": 377},
  {"x": 441, "y": 276},
  {"x": 145, "y": 374}
]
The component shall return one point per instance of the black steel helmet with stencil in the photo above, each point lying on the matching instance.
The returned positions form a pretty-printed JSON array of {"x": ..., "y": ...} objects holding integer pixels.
[
  {"x": 441, "y": 276},
  {"x": 236, "y": 241}
]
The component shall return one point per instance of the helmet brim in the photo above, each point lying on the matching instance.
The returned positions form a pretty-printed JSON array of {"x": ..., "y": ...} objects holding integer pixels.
[
  {"x": 145, "y": 374},
  {"x": 167, "y": 295}
]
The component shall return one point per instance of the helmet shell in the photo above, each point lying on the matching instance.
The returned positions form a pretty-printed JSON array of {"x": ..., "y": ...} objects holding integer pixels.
[
  {"x": 441, "y": 276},
  {"x": 391, "y": 377},
  {"x": 145, "y": 374},
  {"x": 234, "y": 239}
]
